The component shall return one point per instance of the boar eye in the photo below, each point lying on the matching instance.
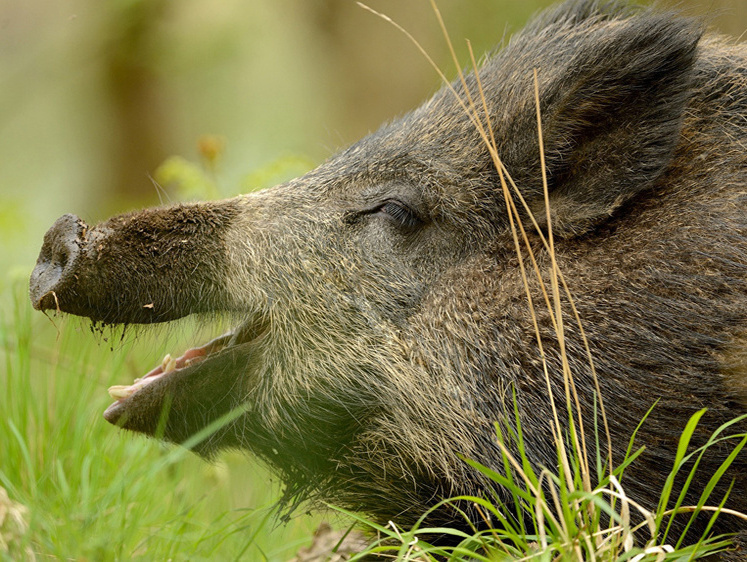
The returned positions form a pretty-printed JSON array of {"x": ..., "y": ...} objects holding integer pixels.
[{"x": 401, "y": 214}]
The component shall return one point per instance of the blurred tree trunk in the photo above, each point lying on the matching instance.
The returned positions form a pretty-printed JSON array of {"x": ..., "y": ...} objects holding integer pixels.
[{"x": 139, "y": 128}]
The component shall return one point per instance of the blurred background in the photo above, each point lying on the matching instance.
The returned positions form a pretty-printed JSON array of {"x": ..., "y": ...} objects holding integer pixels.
[
  {"x": 102, "y": 105},
  {"x": 94, "y": 96}
]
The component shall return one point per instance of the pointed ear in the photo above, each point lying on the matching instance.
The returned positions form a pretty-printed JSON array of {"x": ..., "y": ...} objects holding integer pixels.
[{"x": 612, "y": 117}]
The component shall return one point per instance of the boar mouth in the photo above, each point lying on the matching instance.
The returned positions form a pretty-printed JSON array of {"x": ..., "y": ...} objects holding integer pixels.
[{"x": 197, "y": 381}]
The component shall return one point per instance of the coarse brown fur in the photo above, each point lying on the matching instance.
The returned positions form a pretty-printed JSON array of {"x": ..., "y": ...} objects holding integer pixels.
[{"x": 385, "y": 326}]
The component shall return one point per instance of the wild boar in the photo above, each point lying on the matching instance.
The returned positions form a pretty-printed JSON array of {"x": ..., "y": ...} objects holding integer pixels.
[{"x": 384, "y": 326}]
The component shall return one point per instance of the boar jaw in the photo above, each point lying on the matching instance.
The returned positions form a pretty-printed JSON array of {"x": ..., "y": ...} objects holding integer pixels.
[{"x": 206, "y": 372}]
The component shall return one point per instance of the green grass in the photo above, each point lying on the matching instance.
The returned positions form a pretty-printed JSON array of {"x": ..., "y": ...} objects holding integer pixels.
[
  {"x": 567, "y": 521},
  {"x": 94, "y": 492}
]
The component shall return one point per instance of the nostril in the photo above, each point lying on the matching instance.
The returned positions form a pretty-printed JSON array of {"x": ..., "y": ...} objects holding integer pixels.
[{"x": 62, "y": 257}]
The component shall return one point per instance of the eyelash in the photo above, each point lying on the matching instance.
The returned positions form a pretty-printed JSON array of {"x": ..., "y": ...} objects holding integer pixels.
[{"x": 401, "y": 214}]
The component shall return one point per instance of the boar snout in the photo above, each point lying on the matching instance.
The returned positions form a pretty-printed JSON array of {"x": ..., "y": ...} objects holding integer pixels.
[
  {"x": 153, "y": 266},
  {"x": 55, "y": 267}
]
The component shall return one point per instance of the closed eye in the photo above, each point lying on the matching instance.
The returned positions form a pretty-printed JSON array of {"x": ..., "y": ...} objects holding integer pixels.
[{"x": 401, "y": 214}]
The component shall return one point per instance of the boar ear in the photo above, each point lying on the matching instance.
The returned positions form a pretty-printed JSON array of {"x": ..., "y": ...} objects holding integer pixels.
[{"x": 612, "y": 120}]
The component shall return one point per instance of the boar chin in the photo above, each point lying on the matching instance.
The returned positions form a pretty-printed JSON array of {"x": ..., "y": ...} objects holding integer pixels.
[{"x": 184, "y": 395}]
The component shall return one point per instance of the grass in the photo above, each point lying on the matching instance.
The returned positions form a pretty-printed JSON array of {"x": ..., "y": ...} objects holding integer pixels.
[
  {"x": 569, "y": 522},
  {"x": 92, "y": 492}
]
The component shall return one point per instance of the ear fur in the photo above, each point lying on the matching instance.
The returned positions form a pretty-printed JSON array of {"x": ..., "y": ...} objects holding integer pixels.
[{"x": 611, "y": 116}]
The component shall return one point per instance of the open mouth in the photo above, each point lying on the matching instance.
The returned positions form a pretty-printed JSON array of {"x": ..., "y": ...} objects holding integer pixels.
[
  {"x": 171, "y": 364},
  {"x": 174, "y": 370}
]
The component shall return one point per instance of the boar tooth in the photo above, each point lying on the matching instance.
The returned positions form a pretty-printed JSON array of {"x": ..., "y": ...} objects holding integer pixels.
[
  {"x": 120, "y": 392},
  {"x": 165, "y": 362},
  {"x": 171, "y": 365}
]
